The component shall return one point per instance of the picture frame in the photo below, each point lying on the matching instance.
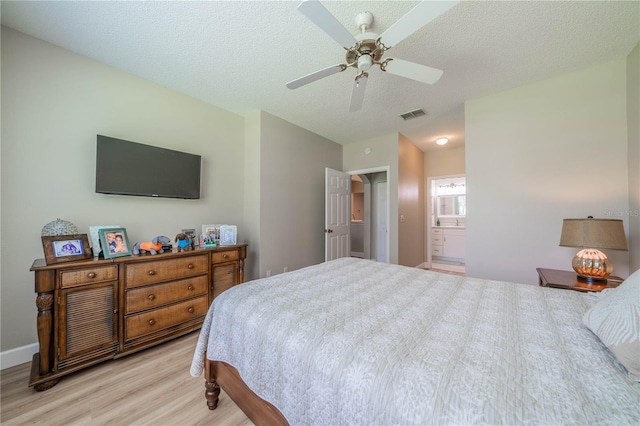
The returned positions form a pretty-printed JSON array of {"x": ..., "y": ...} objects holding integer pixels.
[
  {"x": 65, "y": 248},
  {"x": 211, "y": 233},
  {"x": 115, "y": 242},
  {"x": 95, "y": 237},
  {"x": 228, "y": 235}
]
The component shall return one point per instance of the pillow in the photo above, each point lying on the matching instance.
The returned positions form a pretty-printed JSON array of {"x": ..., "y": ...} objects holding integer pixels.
[{"x": 615, "y": 319}]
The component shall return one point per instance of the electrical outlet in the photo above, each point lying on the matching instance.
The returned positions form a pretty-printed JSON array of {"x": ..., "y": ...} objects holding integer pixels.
[
  {"x": 268, "y": 272},
  {"x": 286, "y": 269}
]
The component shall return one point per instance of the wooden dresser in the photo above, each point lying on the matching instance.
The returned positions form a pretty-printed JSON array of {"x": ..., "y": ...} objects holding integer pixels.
[{"x": 92, "y": 311}]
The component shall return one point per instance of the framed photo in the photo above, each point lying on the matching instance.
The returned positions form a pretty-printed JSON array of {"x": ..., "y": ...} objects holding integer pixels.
[
  {"x": 211, "y": 233},
  {"x": 95, "y": 238},
  {"x": 66, "y": 248},
  {"x": 228, "y": 235},
  {"x": 114, "y": 242}
]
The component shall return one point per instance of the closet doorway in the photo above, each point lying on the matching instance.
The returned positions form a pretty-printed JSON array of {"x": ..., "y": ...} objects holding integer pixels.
[{"x": 370, "y": 214}]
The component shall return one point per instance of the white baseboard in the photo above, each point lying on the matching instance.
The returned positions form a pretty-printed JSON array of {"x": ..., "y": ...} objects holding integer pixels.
[{"x": 17, "y": 356}]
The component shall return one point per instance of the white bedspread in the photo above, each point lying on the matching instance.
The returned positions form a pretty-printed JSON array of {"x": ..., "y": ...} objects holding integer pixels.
[{"x": 358, "y": 342}]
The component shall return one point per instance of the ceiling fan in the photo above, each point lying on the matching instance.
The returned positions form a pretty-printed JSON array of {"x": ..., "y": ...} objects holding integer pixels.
[{"x": 367, "y": 48}]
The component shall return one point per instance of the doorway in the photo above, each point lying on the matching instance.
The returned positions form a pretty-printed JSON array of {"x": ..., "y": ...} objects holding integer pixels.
[
  {"x": 370, "y": 214},
  {"x": 446, "y": 223}
]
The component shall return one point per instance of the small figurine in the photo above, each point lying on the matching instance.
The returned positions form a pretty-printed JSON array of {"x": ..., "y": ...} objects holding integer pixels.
[
  {"x": 184, "y": 242},
  {"x": 154, "y": 246}
]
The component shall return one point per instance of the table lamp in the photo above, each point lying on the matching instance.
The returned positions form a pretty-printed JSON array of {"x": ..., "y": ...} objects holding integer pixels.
[{"x": 592, "y": 234}]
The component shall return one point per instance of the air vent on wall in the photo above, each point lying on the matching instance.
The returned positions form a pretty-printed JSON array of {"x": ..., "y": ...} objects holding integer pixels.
[{"x": 413, "y": 114}]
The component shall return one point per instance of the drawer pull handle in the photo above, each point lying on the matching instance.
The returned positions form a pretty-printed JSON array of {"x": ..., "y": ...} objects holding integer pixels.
[
  {"x": 91, "y": 275},
  {"x": 224, "y": 256},
  {"x": 190, "y": 309},
  {"x": 151, "y": 296},
  {"x": 190, "y": 287},
  {"x": 151, "y": 272},
  {"x": 191, "y": 266},
  {"x": 152, "y": 322}
]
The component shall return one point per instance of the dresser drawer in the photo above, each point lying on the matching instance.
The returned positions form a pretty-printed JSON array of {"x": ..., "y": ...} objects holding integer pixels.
[
  {"x": 436, "y": 250},
  {"x": 143, "y": 298},
  {"x": 168, "y": 316},
  {"x": 138, "y": 274},
  {"x": 89, "y": 275},
  {"x": 436, "y": 240},
  {"x": 224, "y": 256},
  {"x": 436, "y": 231}
]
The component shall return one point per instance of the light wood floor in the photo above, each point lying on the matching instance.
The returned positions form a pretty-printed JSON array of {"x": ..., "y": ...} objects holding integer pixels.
[{"x": 152, "y": 387}]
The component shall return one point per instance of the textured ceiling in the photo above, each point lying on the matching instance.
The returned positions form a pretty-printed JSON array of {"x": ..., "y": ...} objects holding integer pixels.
[{"x": 239, "y": 55}]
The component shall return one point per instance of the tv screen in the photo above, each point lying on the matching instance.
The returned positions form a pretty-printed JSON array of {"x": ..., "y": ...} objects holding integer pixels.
[{"x": 130, "y": 168}]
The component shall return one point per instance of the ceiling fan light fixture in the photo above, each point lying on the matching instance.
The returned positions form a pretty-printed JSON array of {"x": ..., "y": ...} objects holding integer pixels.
[
  {"x": 367, "y": 47},
  {"x": 442, "y": 141},
  {"x": 364, "y": 62}
]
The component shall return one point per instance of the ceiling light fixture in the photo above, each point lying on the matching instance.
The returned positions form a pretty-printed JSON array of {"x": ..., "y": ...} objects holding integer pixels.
[{"x": 442, "y": 141}]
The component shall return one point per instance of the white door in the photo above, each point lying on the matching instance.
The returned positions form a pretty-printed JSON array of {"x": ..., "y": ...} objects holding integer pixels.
[
  {"x": 382, "y": 233},
  {"x": 337, "y": 214}
]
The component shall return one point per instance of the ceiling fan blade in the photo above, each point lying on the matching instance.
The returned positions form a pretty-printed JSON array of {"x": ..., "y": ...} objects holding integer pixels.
[
  {"x": 416, "y": 18},
  {"x": 320, "y": 16},
  {"x": 417, "y": 72},
  {"x": 357, "y": 95},
  {"x": 334, "y": 69}
]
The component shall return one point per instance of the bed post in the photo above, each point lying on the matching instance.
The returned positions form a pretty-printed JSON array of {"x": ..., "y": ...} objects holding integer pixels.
[{"x": 212, "y": 389}]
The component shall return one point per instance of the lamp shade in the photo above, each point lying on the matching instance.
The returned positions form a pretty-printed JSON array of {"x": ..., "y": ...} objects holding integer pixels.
[{"x": 593, "y": 233}]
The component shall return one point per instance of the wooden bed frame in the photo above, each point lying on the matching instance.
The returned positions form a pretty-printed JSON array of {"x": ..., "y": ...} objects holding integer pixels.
[{"x": 217, "y": 374}]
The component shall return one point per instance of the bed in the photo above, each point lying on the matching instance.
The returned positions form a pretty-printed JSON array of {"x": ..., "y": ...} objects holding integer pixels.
[{"x": 354, "y": 341}]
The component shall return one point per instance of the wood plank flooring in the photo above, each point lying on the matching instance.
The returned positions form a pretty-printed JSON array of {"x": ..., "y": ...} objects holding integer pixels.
[{"x": 152, "y": 387}]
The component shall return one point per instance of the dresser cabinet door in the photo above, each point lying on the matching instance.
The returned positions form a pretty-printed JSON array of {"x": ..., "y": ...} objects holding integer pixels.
[
  {"x": 224, "y": 277},
  {"x": 87, "y": 323}
]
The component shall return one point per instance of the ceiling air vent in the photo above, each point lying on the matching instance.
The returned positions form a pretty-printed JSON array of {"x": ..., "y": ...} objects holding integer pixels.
[{"x": 413, "y": 114}]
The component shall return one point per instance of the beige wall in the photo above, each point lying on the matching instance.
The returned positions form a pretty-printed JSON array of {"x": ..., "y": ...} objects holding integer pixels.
[
  {"x": 633, "y": 131},
  {"x": 540, "y": 153},
  {"x": 292, "y": 176},
  {"x": 411, "y": 204},
  {"x": 445, "y": 162},
  {"x": 54, "y": 103},
  {"x": 441, "y": 162},
  {"x": 252, "y": 192},
  {"x": 384, "y": 153}
]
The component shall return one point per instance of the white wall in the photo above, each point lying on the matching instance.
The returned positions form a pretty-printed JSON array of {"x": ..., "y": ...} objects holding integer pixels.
[
  {"x": 540, "y": 153},
  {"x": 54, "y": 103}
]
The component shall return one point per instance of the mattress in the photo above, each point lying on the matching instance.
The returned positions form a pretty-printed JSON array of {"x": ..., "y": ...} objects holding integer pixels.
[{"x": 354, "y": 341}]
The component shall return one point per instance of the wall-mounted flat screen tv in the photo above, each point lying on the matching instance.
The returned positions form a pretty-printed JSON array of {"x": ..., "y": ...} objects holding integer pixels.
[{"x": 131, "y": 168}]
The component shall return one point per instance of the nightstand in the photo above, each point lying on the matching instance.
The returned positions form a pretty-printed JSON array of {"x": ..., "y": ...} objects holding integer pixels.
[{"x": 568, "y": 280}]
